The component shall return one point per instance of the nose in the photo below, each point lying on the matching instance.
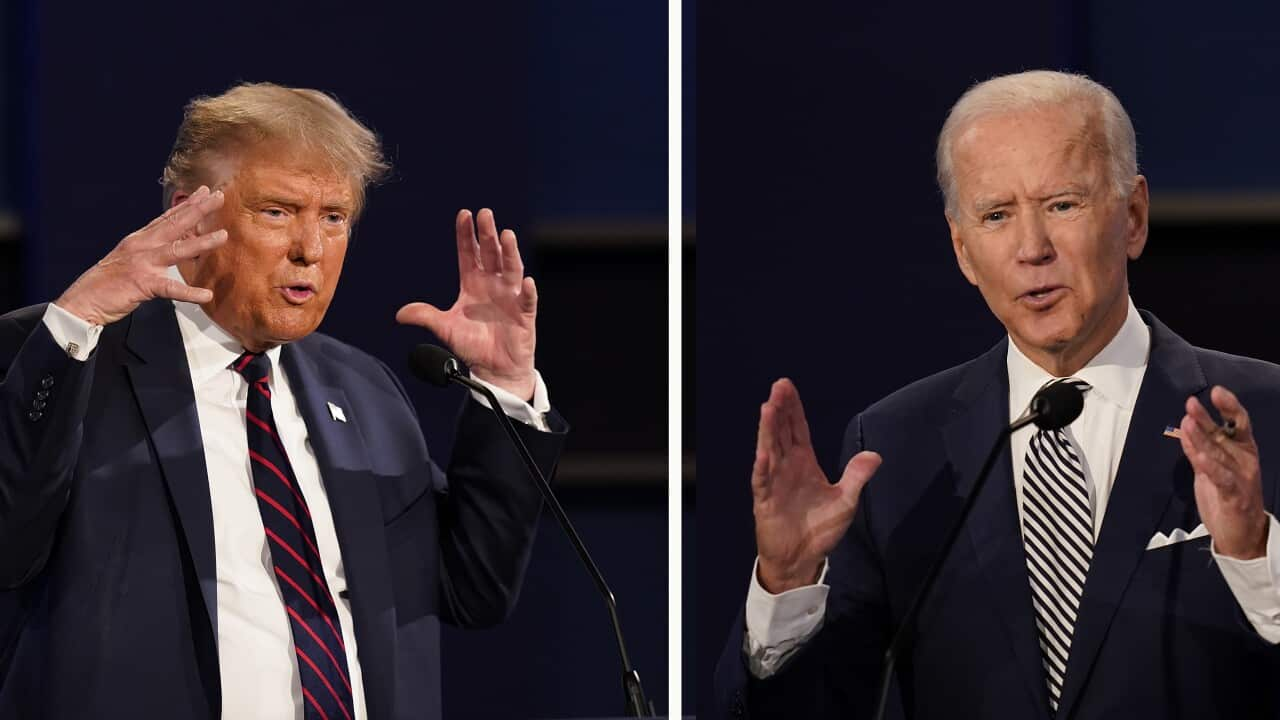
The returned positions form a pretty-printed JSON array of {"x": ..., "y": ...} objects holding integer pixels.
[
  {"x": 1035, "y": 246},
  {"x": 308, "y": 241}
]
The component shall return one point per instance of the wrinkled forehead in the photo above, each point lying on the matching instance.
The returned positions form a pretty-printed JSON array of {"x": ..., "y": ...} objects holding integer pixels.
[
  {"x": 277, "y": 168},
  {"x": 1029, "y": 148}
]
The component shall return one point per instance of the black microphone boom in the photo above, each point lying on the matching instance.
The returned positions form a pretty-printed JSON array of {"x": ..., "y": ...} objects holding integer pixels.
[
  {"x": 439, "y": 367},
  {"x": 1055, "y": 406}
]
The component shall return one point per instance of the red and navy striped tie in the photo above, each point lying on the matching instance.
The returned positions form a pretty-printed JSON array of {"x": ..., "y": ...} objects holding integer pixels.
[{"x": 313, "y": 617}]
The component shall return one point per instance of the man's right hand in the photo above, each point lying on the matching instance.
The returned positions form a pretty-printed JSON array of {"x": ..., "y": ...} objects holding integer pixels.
[
  {"x": 137, "y": 269},
  {"x": 800, "y": 516}
]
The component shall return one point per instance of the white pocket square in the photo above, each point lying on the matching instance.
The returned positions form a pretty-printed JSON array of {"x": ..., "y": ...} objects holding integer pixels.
[{"x": 1159, "y": 540}]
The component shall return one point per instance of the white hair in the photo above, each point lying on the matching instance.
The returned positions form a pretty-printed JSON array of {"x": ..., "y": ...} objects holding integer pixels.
[{"x": 1042, "y": 88}]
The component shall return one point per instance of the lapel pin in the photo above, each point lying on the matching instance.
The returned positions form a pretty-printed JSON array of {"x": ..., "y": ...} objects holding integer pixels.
[
  {"x": 1173, "y": 432},
  {"x": 336, "y": 412}
]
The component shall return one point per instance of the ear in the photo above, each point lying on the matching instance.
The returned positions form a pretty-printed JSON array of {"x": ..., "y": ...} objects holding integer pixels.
[
  {"x": 962, "y": 252},
  {"x": 1137, "y": 215}
]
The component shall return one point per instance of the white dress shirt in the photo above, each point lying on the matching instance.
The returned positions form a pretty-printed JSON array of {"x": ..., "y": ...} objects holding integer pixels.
[
  {"x": 260, "y": 678},
  {"x": 778, "y": 625}
]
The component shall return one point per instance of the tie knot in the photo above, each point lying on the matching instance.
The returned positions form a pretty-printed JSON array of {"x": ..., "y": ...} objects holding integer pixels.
[{"x": 253, "y": 366}]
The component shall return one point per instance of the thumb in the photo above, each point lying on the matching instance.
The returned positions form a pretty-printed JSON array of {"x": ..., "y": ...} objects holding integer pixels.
[
  {"x": 856, "y": 474},
  {"x": 421, "y": 314}
]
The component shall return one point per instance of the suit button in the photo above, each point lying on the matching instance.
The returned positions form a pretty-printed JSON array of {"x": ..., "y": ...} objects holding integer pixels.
[
  {"x": 47, "y": 382},
  {"x": 34, "y": 415},
  {"x": 37, "y": 405},
  {"x": 42, "y": 394}
]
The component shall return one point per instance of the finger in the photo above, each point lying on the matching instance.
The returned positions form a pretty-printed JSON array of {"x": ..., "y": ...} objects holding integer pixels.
[
  {"x": 857, "y": 472},
  {"x": 183, "y": 219},
  {"x": 423, "y": 315},
  {"x": 511, "y": 262},
  {"x": 468, "y": 252},
  {"x": 487, "y": 238},
  {"x": 1197, "y": 412},
  {"x": 797, "y": 424},
  {"x": 185, "y": 248},
  {"x": 528, "y": 297},
  {"x": 1230, "y": 407},
  {"x": 782, "y": 398},
  {"x": 1209, "y": 438},
  {"x": 167, "y": 216},
  {"x": 1207, "y": 458},
  {"x": 767, "y": 440},
  {"x": 175, "y": 289},
  {"x": 760, "y": 481}
]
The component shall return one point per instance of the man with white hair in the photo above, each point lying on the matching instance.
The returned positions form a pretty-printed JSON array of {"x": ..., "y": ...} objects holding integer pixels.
[{"x": 1122, "y": 567}]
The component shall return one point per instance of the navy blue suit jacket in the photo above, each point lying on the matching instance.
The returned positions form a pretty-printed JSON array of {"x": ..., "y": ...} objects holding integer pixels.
[
  {"x": 1159, "y": 634},
  {"x": 108, "y": 593}
]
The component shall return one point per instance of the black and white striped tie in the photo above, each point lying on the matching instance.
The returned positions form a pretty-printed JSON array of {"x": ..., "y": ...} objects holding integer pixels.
[{"x": 1057, "y": 531}]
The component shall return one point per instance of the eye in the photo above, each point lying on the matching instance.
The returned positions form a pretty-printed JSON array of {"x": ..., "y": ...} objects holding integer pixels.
[
  {"x": 1063, "y": 205},
  {"x": 335, "y": 218},
  {"x": 273, "y": 212},
  {"x": 994, "y": 216}
]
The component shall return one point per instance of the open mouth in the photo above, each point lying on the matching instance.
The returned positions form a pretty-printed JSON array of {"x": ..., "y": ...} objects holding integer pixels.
[
  {"x": 1043, "y": 296},
  {"x": 299, "y": 293}
]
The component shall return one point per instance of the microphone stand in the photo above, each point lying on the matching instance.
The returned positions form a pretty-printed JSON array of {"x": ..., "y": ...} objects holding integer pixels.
[
  {"x": 903, "y": 635},
  {"x": 636, "y": 703}
]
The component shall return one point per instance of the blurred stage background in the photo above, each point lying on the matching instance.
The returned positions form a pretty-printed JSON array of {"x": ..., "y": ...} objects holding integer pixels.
[
  {"x": 829, "y": 257},
  {"x": 552, "y": 114}
]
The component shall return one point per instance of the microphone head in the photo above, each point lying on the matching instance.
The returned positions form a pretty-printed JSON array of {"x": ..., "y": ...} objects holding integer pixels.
[
  {"x": 1057, "y": 405},
  {"x": 433, "y": 364}
]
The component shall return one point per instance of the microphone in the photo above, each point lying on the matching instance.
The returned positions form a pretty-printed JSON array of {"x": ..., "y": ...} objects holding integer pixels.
[
  {"x": 439, "y": 367},
  {"x": 1053, "y": 407}
]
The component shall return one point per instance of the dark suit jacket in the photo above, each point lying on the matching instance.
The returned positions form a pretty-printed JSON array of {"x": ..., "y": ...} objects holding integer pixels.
[
  {"x": 1159, "y": 634},
  {"x": 108, "y": 594}
]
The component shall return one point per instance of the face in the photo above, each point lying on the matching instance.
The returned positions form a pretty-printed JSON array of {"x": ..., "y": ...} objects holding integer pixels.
[
  {"x": 288, "y": 220},
  {"x": 1039, "y": 230}
]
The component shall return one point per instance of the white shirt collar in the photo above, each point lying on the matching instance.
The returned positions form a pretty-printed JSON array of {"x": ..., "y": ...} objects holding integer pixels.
[
  {"x": 1115, "y": 373},
  {"x": 210, "y": 349}
]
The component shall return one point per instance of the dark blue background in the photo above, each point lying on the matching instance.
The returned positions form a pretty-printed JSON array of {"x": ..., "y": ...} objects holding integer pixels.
[
  {"x": 824, "y": 254},
  {"x": 552, "y": 114}
]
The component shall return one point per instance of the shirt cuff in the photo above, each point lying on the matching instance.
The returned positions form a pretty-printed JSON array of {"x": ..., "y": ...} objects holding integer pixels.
[
  {"x": 77, "y": 337},
  {"x": 530, "y": 413},
  {"x": 779, "y": 625},
  {"x": 1254, "y": 586}
]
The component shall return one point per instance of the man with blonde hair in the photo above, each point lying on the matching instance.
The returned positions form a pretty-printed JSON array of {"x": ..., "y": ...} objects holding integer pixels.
[
  {"x": 207, "y": 509},
  {"x": 1123, "y": 566}
]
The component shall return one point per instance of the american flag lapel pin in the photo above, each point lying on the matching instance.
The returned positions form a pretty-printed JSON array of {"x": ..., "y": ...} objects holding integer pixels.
[
  {"x": 336, "y": 412},
  {"x": 1173, "y": 432}
]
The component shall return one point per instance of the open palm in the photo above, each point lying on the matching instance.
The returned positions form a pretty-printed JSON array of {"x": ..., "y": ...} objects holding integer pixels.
[
  {"x": 491, "y": 326},
  {"x": 800, "y": 516}
]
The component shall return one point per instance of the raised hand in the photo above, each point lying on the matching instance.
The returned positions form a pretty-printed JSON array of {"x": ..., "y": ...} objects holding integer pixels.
[
  {"x": 1228, "y": 483},
  {"x": 800, "y": 516},
  {"x": 491, "y": 324},
  {"x": 137, "y": 269}
]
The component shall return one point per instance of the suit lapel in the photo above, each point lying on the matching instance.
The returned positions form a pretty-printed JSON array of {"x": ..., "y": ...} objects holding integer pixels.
[
  {"x": 343, "y": 459},
  {"x": 982, "y": 410},
  {"x": 1143, "y": 487},
  {"x": 162, "y": 385}
]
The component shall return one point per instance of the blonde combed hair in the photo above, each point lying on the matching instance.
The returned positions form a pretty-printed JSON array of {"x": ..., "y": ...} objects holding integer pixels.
[
  {"x": 255, "y": 113},
  {"x": 1043, "y": 88}
]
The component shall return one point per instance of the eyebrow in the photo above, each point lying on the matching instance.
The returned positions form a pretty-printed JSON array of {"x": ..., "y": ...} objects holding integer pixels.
[
  {"x": 984, "y": 204},
  {"x": 277, "y": 198}
]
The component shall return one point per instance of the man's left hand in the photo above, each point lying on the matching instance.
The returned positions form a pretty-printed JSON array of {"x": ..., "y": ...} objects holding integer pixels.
[
  {"x": 1228, "y": 481},
  {"x": 491, "y": 324}
]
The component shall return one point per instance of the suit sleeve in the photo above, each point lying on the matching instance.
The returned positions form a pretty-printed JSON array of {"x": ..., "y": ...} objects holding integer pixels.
[
  {"x": 487, "y": 513},
  {"x": 44, "y": 395},
  {"x": 836, "y": 674}
]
